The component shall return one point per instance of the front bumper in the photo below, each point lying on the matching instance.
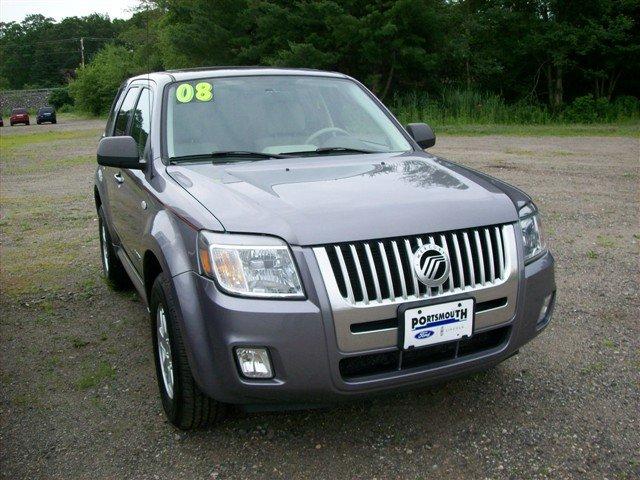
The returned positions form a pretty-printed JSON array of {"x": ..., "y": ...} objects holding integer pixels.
[{"x": 302, "y": 340}]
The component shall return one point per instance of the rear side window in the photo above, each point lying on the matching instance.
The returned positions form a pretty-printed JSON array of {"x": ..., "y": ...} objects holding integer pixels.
[
  {"x": 141, "y": 124},
  {"x": 125, "y": 112}
]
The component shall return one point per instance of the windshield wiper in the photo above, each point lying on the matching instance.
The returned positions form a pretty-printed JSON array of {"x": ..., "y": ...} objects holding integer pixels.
[
  {"x": 227, "y": 154},
  {"x": 322, "y": 150}
]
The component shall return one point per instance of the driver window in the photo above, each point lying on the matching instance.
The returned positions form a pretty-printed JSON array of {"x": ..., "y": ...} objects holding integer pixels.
[
  {"x": 141, "y": 120},
  {"x": 125, "y": 112}
]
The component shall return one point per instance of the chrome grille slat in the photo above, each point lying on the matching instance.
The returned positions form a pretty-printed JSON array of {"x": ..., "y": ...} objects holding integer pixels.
[
  {"x": 472, "y": 269},
  {"x": 396, "y": 254},
  {"x": 387, "y": 271},
  {"x": 414, "y": 277},
  {"x": 476, "y": 237},
  {"x": 456, "y": 247},
  {"x": 492, "y": 272},
  {"x": 446, "y": 249},
  {"x": 500, "y": 253},
  {"x": 374, "y": 272},
  {"x": 345, "y": 274},
  {"x": 478, "y": 259},
  {"x": 363, "y": 286}
]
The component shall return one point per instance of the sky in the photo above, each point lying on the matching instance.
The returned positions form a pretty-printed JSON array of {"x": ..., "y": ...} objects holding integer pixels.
[{"x": 16, "y": 10}]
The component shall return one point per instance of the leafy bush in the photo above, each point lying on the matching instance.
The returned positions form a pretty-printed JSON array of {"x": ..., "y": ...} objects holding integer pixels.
[
  {"x": 97, "y": 83},
  {"x": 461, "y": 107},
  {"x": 59, "y": 97},
  {"x": 455, "y": 106},
  {"x": 586, "y": 109}
]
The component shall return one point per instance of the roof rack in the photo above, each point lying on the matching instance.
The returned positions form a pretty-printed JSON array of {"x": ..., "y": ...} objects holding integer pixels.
[{"x": 236, "y": 67}]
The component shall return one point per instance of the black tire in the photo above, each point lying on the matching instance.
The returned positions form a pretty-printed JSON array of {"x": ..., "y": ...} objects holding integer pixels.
[
  {"x": 38, "y": 122},
  {"x": 112, "y": 268},
  {"x": 184, "y": 404},
  {"x": 27, "y": 123}
]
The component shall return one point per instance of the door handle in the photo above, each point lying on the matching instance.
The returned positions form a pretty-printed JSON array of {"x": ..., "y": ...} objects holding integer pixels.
[{"x": 119, "y": 178}]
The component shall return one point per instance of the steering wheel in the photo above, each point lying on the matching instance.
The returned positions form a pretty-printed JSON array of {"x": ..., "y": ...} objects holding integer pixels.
[{"x": 323, "y": 131}]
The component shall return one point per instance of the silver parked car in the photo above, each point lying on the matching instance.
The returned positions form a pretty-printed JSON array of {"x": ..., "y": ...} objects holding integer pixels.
[{"x": 297, "y": 246}]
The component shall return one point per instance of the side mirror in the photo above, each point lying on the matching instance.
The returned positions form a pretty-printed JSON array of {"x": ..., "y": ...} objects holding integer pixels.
[
  {"x": 422, "y": 134},
  {"x": 119, "y": 152}
]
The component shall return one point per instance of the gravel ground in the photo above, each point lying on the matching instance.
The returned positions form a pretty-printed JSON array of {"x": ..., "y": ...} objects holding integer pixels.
[{"x": 79, "y": 400}]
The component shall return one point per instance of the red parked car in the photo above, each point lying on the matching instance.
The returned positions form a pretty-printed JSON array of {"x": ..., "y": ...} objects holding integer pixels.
[{"x": 19, "y": 115}]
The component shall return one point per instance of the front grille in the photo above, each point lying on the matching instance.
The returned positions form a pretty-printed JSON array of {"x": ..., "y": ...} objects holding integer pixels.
[
  {"x": 382, "y": 270},
  {"x": 365, "y": 365}
]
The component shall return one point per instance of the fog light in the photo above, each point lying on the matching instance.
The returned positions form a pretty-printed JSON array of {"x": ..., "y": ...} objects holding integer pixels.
[
  {"x": 254, "y": 362},
  {"x": 545, "y": 308}
]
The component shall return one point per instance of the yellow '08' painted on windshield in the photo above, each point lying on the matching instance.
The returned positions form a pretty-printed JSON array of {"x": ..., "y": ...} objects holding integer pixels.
[{"x": 203, "y": 92}]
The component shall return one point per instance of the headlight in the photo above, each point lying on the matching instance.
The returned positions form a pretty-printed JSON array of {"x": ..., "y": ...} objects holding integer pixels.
[
  {"x": 249, "y": 265},
  {"x": 532, "y": 239}
]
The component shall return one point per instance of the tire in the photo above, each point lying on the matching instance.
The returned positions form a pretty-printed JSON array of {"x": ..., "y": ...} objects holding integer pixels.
[
  {"x": 184, "y": 404},
  {"x": 112, "y": 268},
  {"x": 27, "y": 123}
]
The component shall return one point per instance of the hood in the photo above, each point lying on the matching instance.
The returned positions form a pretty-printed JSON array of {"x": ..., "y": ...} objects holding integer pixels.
[{"x": 330, "y": 199}]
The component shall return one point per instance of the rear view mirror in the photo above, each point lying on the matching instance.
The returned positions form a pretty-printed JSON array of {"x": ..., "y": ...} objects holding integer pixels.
[
  {"x": 119, "y": 152},
  {"x": 422, "y": 134}
]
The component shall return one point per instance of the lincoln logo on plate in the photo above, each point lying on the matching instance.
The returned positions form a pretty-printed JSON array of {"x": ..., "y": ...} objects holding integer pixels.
[{"x": 431, "y": 264}]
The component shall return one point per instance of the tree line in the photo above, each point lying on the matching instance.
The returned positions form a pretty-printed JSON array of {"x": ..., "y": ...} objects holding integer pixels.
[{"x": 541, "y": 52}]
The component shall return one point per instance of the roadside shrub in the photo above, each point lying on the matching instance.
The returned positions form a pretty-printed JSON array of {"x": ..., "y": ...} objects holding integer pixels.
[
  {"x": 458, "y": 107},
  {"x": 59, "y": 97},
  {"x": 97, "y": 83},
  {"x": 586, "y": 109},
  {"x": 626, "y": 107},
  {"x": 463, "y": 107}
]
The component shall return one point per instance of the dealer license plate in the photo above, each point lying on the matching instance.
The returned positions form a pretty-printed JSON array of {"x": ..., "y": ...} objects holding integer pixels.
[{"x": 431, "y": 324}]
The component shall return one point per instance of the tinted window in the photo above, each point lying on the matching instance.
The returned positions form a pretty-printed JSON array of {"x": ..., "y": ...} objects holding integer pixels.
[
  {"x": 141, "y": 123},
  {"x": 17, "y": 111},
  {"x": 112, "y": 110},
  {"x": 125, "y": 112},
  {"x": 46, "y": 110},
  {"x": 276, "y": 114}
]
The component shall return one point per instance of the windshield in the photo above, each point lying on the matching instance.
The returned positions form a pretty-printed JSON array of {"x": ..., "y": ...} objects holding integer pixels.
[{"x": 276, "y": 115}]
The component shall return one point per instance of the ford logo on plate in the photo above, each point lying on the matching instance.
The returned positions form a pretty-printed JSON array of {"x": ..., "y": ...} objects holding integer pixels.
[{"x": 423, "y": 335}]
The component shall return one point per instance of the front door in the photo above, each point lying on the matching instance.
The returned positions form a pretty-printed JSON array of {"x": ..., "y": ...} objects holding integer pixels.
[{"x": 128, "y": 196}]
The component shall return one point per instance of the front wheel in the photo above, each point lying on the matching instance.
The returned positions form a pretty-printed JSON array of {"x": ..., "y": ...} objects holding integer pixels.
[{"x": 185, "y": 405}]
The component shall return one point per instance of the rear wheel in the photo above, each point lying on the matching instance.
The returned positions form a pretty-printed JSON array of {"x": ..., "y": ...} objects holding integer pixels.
[
  {"x": 185, "y": 405},
  {"x": 112, "y": 268}
]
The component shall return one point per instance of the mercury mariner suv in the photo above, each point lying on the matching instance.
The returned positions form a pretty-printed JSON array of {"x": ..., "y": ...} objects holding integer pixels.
[{"x": 296, "y": 246}]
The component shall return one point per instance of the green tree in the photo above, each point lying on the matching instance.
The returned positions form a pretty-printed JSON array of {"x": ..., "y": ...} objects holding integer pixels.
[{"x": 98, "y": 82}]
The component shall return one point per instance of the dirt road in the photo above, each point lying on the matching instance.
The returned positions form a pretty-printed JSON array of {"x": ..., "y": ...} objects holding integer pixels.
[{"x": 78, "y": 396}]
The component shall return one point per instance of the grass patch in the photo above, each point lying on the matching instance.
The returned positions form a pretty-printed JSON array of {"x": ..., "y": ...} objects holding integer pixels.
[
  {"x": 46, "y": 165},
  {"x": 12, "y": 141},
  {"x": 592, "y": 255},
  {"x": 556, "y": 130},
  {"x": 605, "y": 241},
  {"x": 99, "y": 373}
]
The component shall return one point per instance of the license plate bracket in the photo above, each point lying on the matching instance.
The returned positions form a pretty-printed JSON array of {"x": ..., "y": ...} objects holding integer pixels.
[{"x": 426, "y": 324}]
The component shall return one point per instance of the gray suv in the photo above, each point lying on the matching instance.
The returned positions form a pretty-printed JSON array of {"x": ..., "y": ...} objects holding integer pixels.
[{"x": 296, "y": 246}]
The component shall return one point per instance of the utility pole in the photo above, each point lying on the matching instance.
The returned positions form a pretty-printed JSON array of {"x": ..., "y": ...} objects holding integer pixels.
[{"x": 82, "y": 51}]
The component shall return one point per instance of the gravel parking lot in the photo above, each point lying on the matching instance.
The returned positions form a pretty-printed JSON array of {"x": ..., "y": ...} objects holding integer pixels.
[{"x": 79, "y": 400}]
